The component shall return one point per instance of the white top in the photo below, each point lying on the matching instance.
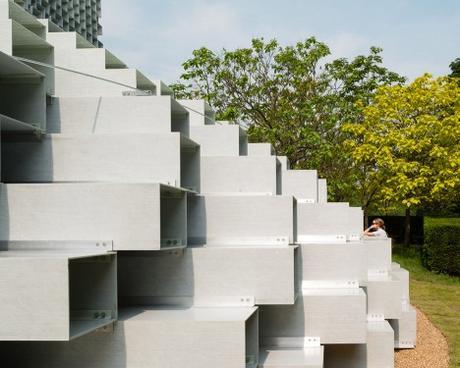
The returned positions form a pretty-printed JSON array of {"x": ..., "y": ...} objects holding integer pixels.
[{"x": 380, "y": 233}]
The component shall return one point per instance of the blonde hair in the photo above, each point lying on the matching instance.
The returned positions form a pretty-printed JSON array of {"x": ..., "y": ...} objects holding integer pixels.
[{"x": 380, "y": 222}]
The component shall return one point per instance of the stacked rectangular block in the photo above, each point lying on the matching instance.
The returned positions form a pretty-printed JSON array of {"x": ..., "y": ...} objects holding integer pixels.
[
  {"x": 207, "y": 229},
  {"x": 93, "y": 184}
]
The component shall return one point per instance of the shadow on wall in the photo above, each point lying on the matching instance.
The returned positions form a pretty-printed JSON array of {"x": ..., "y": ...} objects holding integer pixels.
[
  {"x": 285, "y": 321},
  {"x": 196, "y": 226},
  {"x": 96, "y": 350},
  {"x": 81, "y": 115},
  {"x": 4, "y": 215},
  {"x": 27, "y": 159},
  {"x": 156, "y": 278}
]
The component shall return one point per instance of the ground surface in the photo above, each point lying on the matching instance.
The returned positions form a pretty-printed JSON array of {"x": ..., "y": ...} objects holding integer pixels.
[
  {"x": 432, "y": 350},
  {"x": 438, "y": 297}
]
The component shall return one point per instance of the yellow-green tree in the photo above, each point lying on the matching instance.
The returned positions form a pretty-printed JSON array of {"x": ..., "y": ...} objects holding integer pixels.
[{"x": 407, "y": 147}]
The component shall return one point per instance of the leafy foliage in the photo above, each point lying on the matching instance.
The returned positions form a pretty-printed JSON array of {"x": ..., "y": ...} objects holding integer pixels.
[
  {"x": 455, "y": 67},
  {"x": 407, "y": 147},
  {"x": 290, "y": 96}
]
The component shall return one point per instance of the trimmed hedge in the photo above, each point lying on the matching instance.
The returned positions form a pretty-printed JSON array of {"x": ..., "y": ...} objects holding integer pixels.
[{"x": 441, "y": 249}]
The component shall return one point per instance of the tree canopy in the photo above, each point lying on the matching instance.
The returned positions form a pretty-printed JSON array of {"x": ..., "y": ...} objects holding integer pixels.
[
  {"x": 291, "y": 96},
  {"x": 407, "y": 146}
]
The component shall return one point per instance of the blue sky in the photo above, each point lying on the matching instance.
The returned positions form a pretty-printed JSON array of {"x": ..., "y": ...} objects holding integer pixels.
[{"x": 158, "y": 36}]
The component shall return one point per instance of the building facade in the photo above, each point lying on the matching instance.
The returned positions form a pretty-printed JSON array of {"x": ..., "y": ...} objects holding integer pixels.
[
  {"x": 81, "y": 16},
  {"x": 138, "y": 232}
]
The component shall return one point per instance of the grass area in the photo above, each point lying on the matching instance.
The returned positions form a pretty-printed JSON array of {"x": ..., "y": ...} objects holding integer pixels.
[{"x": 438, "y": 296}]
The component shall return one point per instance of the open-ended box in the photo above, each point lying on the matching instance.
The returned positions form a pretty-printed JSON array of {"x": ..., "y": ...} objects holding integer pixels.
[
  {"x": 333, "y": 262},
  {"x": 223, "y": 220},
  {"x": 302, "y": 184},
  {"x": 22, "y": 96},
  {"x": 335, "y": 316},
  {"x": 168, "y": 158},
  {"x": 116, "y": 115},
  {"x": 207, "y": 276},
  {"x": 55, "y": 296},
  {"x": 133, "y": 216},
  {"x": 240, "y": 174},
  {"x": 220, "y": 140},
  {"x": 331, "y": 222},
  {"x": 148, "y": 337}
]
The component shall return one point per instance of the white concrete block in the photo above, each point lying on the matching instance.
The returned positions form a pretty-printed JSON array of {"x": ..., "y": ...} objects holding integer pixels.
[
  {"x": 260, "y": 149},
  {"x": 379, "y": 347},
  {"x": 138, "y": 158},
  {"x": 403, "y": 275},
  {"x": 55, "y": 296},
  {"x": 334, "y": 262},
  {"x": 241, "y": 220},
  {"x": 405, "y": 328},
  {"x": 242, "y": 174},
  {"x": 134, "y": 216},
  {"x": 285, "y": 164},
  {"x": 220, "y": 140},
  {"x": 336, "y": 316},
  {"x": 154, "y": 337},
  {"x": 116, "y": 115},
  {"x": 200, "y": 112},
  {"x": 322, "y": 191},
  {"x": 326, "y": 220},
  {"x": 6, "y": 36},
  {"x": 376, "y": 353},
  {"x": 107, "y": 83},
  {"x": 301, "y": 184},
  {"x": 214, "y": 276},
  {"x": 310, "y": 357},
  {"x": 379, "y": 255},
  {"x": 384, "y": 296},
  {"x": 356, "y": 222},
  {"x": 22, "y": 92},
  {"x": 61, "y": 40}
]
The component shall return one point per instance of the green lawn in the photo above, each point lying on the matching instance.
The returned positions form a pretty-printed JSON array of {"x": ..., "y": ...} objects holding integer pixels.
[{"x": 438, "y": 296}]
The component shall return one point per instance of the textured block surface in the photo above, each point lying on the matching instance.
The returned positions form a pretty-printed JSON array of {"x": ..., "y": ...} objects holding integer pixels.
[
  {"x": 242, "y": 174},
  {"x": 42, "y": 298},
  {"x": 154, "y": 337},
  {"x": 101, "y": 158},
  {"x": 239, "y": 219},
  {"x": 220, "y": 140},
  {"x": 379, "y": 255},
  {"x": 291, "y": 358},
  {"x": 209, "y": 276},
  {"x": 134, "y": 216},
  {"x": 405, "y": 328},
  {"x": 116, "y": 115},
  {"x": 302, "y": 184},
  {"x": 379, "y": 348},
  {"x": 336, "y": 316},
  {"x": 340, "y": 262},
  {"x": 326, "y": 220},
  {"x": 384, "y": 296}
]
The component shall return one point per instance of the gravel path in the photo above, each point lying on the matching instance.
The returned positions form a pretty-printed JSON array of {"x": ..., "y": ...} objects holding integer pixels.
[{"x": 432, "y": 350}]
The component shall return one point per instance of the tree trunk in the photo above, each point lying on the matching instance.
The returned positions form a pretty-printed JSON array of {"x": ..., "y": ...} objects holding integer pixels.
[
  {"x": 407, "y": 228},
  {"x": 366, "y": 218}
]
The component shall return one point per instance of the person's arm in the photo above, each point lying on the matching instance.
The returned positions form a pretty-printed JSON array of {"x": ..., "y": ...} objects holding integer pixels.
[{"x": 368, "y": 231}]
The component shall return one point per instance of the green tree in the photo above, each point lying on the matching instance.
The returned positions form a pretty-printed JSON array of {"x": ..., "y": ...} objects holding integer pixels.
[
  {"x": 290, "y": 96},
  {"x": 455, "y": 67},
  {"x": 407, "y": 147}
]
